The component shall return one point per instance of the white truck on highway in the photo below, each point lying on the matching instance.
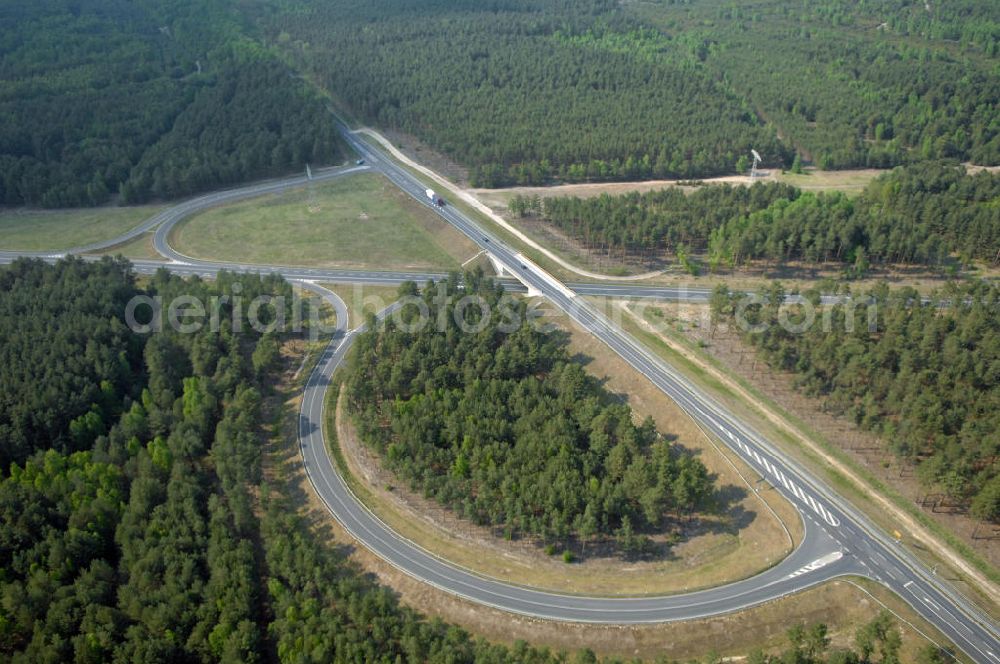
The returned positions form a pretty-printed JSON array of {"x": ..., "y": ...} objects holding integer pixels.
[{"x": 435, "y": 199}]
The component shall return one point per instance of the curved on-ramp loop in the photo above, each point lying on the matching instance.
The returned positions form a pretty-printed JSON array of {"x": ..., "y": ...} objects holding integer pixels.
[{"x": 429, "y": 568}]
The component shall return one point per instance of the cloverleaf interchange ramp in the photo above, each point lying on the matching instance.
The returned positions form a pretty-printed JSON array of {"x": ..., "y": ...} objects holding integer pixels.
[
  {"x": 837, "y": 540},
  {"x": 863, "y": 545},
  {"x": 813, "y": 555}
]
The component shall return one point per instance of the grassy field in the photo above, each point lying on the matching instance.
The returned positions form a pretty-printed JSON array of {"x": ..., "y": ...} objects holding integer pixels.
[
  {"x": 484, "y": 221},
  {"x": 138, "y": 248},
  {"x": 361, "y": 221},
  {"x": 362, "y": 299},
  {"x": 850, "y": 182},
  {"x": 44, "y": 230}
]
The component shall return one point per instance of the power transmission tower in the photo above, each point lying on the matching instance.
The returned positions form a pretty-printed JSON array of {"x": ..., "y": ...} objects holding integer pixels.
[
  {"x": 756, "y": 162},
  {"x": 312, "y": 203}
]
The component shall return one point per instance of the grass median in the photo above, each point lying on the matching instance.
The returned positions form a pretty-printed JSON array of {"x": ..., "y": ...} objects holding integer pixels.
[
  {"x": 361, "y": 221},
  {"x": 57, "y": 230}
]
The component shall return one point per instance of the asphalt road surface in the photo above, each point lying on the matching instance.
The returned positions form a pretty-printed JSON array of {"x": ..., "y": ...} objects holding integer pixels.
[
  {"x": 838, "y": 540},
  {"x": 863, "y": 547},
  {"x": 818, "y": 559}
]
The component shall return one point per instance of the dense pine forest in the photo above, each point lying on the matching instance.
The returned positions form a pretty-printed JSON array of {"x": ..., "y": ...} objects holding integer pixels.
[
  {"x": 161, "y": 98},
  {"x": 146, "y": 98},
  {"x": 854, "y": 84},
  {"x": 126, "y": 533},
  {"x": 135, "y": 525},
  {"x": 530, "y": 91},
  {"x": 914, "y": 215},
  {"x": 654, "y": 223},
  {"x": 525, "y": 91},
  {"x": 925, "y": 377},
  {"x": 64, "y": 369},
  {"x": 128, "y": 521},
  {"x": 504, "y": 428}
]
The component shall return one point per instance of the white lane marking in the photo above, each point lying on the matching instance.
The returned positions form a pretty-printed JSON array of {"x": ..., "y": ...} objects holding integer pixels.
[
  {"x": 752, "y": 455},
  {"x": 944, "y": 615},
  {"x": 817, "y": 564}
]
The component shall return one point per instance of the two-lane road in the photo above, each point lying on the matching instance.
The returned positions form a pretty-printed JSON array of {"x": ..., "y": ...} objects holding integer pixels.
[
  {"x": 877, "y": 555},
  {"x": 816, "y": 560},
  {"x": 175, "y": 213},
  {"x": 838, "y": 539}
]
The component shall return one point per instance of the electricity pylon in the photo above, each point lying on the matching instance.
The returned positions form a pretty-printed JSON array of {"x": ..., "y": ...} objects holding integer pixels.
[{"x": 756, "y": 162}]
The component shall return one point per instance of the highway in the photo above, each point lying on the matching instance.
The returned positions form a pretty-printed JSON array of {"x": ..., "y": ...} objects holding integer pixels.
[
  {"x": 865, "y": 549},
  {"x": 816, "y": 560},
  {"x": 839, "y": 540}
]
